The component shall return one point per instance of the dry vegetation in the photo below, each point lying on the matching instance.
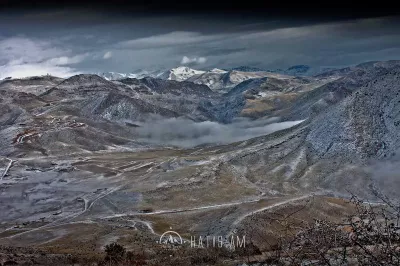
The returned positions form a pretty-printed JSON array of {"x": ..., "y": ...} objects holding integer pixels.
[
  {"x": 369, "y": 236},
  {"x": 305, "y": 233}
]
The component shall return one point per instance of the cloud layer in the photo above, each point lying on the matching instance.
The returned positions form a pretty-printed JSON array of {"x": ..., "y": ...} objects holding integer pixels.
[
  {"x": 123, "y": 44},
  {"x": 22, "y": 57}
]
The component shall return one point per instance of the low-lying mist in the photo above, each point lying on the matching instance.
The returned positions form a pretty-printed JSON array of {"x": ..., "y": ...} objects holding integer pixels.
[
  {"x": 386, "y": 176},
  {"x": 185, "y": 133}
]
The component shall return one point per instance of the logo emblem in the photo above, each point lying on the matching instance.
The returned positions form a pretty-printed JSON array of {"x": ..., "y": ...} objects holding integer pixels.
[{"x": 171, "y": 237}]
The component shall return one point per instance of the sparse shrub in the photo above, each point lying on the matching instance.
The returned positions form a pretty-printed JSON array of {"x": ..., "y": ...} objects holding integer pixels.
[
  {"x": 369, "y": 237},
  {"x": 135, "y": 259},
  {"x": 10, "y": 262},
  {"x": 114, "y": 253},
  {"x": 204, "y": 256},
  {"x": 249, "y": 250}
]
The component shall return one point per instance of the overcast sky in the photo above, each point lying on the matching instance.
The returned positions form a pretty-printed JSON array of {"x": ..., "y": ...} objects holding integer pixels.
[{"x": 66, "y": 42}]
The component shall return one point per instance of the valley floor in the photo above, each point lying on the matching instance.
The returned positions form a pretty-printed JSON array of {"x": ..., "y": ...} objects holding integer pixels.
[{"x": 77, "y": 204}]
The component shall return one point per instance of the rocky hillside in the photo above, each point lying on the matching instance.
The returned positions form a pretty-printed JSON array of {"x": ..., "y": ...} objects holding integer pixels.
[
  {"x": 313, "y": 102},
  {"x": 129, "y": 159},
  {"x": 350, "y": 119},
  {"x": 335, "y": 149},
  {"x": 34, "y": 85},
  {"x": 223, "y": 81},
  {"x": 366, "y": 124}
]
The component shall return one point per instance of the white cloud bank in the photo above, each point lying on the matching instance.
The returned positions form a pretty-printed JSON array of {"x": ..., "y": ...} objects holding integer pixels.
[
  {"x": 28, "y": 70},
  {"x": 22, "y": 57},
  {"x": 193, "y": 60}
]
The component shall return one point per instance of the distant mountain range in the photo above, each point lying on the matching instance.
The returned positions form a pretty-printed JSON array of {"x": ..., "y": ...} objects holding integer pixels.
[
  {"x": 216, "y": 78},
  {"x": 246, "y": 69},
  {"x": 138, "y": 74},
  {"x": 221, "y": 80}
]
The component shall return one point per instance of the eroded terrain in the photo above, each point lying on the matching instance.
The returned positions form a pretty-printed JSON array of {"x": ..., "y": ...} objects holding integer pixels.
[{"x": 78, "y": 174}]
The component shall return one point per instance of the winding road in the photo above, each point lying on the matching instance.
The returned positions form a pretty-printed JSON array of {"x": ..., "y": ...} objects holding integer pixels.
[
  {"x": 88, "y": 203},
  {"x": 236, "y": 222},
  {"x": 7, "y": 168}
]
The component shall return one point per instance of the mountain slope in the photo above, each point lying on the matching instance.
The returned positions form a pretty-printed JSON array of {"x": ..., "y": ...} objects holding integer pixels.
[
  {"x": 35, "y": 85},
  {"x": 138, "y": 74},
  {"x": 224, "y": 81},
  {"x": 334, "y": 150},
  {"x": 366, "y": 124},
  {"x": 80, "y": 165},
  {"x": 319, "y": 99},
  {"x": 116, "y": 107},
  {"x": 176, "y": 88}
]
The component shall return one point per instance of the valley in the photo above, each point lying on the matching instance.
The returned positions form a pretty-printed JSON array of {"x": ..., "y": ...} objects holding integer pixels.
[{"x": 87, "y": 161}]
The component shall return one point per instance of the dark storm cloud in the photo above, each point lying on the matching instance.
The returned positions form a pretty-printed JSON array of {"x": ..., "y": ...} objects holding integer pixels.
[
  {"x": 94, "y": 41},
  {"x": 302, "y": 9}
]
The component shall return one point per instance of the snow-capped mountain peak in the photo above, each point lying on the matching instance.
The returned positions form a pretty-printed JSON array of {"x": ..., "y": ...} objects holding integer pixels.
[
  {"x": 181, "y": 73},
  {"x": 138, "y": 74},
  {"x": 115, "y": 75},
  {"x": 217, "y": 70}
]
